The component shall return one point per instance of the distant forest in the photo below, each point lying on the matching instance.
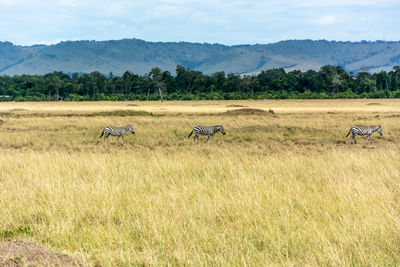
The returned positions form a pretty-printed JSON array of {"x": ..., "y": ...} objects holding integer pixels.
[{"x": 329, "y": 82}]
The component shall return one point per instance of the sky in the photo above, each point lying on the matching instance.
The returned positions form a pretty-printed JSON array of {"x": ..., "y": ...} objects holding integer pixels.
[{"x": 29, "y": 22}]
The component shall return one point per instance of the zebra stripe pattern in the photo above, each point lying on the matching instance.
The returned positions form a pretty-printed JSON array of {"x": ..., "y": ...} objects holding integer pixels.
[
  {"x": 364, "y": 130},
  {"x": 206, "y": 130},
  {"x": 116, "y": 131}
]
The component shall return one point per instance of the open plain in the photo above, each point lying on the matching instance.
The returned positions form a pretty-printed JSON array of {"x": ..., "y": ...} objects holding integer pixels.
[{"x": 283, "y": 186}]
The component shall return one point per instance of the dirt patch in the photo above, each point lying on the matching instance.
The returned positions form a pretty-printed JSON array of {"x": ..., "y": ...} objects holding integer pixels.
[
  {"x": 393, "y": 116},
  {"x": 21, "y": 253},
  {"x": 17, "y": 109},
  {"x": 373, "y": 104},
  {"x": 285, "y": 131},
  {"x": 1, "y": 122},
  {"x": 132, "y": 105},
  {"x": 120, "y": 113},
  {"x": 235, "y": 106},
  {"x": 257, "y": 128},
  {"x": 246, "y": 111}
]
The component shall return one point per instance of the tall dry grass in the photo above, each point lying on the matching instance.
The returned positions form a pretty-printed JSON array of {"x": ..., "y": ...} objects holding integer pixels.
[{"x": 283, "y": 188}]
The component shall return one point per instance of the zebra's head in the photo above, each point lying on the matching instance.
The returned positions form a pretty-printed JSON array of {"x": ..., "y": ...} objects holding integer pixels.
[
  {"x": 221, "y": 128},
  {"x": 379, "y": 130},
  {"x": 130, "y": 128}
]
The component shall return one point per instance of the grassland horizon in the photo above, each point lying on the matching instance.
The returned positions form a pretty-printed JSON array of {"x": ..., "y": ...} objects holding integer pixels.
[{"x": 282, "y": 187}]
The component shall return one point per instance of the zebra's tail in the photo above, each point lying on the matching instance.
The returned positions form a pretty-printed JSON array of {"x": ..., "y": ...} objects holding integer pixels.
[
  {"x": 190, "y": 134},
  {"x": 102, "y": 133},
  {"x": 348, "y": 134}
]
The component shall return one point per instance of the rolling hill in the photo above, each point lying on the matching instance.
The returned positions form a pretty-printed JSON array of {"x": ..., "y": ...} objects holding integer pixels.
[{"x": 140, "y": 57}]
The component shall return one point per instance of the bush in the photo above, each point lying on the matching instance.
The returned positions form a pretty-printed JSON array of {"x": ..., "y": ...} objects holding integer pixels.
[
  {"x": 378, "y": 94},
  {"x": 75, "y": 97},
  {"x": 396, "y": 94},
  {"x": 20, "y": 99}
]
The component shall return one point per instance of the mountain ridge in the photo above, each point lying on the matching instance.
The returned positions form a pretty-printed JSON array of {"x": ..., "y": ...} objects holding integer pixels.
[{"x": 139, "y": 56}]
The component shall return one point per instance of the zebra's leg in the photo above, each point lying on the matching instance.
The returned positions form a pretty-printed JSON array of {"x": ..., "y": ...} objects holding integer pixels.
[
  {"x": 123, "y": 137},
  {"x": 207, "y": 139},
  {"x": 212, "y": 138},
  {"x": 118, "y": 137},
  {"x": 196, "y": 136},
  {"x": 370, "y": 139},
  {"x": 106, "y": 136},
  {"x": 354, "y": 138}
]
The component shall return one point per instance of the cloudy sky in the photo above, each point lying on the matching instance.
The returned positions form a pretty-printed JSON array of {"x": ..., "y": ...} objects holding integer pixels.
[{"x": 27, "y": 22}]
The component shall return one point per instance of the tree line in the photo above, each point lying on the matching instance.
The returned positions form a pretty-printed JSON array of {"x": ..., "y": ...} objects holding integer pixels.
[{"x": 329, "y": 82}]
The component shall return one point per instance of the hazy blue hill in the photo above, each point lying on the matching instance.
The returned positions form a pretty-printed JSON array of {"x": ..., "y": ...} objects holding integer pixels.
[
  {"x": 10, "y": 55},
  {"x": 139, "y": 56}
]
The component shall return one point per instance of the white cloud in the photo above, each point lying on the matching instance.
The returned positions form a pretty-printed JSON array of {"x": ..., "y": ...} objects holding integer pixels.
[
  {"x": 342, "y": 3},
  {"x": 223, "y": 21},
  {"x": 6, "y": 2},
  {"x": 324, "y": 20}
]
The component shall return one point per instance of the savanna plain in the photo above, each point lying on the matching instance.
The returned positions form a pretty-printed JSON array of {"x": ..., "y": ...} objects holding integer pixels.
[{"x": 282, "y": 187}]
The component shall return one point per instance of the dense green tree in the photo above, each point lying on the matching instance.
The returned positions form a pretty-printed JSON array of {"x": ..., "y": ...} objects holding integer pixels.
[
  {"x": 329, "y": 82},
  {"x": 365, "y": 83},
  {"x": 218, "y": 80},
  {"x": 158, "y": 82}
]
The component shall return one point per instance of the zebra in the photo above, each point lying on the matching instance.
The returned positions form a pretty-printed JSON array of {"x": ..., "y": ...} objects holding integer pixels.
[
  {"x": 364, "y": 130},
  {"x": 116, "y": 131},
  {"x": 206, "y": 130}
]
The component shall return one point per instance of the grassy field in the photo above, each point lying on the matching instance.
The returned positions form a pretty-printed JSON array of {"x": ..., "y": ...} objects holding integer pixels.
[{"x": 282, "y": 187}]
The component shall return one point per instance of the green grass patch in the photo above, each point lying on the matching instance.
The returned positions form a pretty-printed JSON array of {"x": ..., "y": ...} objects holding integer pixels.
[{"x": 20, "y": 230}]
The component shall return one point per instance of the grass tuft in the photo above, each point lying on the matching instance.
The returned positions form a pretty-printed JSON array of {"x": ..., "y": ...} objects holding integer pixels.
[
  {"x": 121, "y": 113},
  {"x": 15, "y": 232},
  {"x": 245, "y": 111}
]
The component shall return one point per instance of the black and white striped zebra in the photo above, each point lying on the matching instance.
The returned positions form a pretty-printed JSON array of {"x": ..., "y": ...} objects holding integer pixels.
[
  {"x": 364, "y": 130},
  {"x": 116, "y": 131},
  {"x": 206, "y": 130}
]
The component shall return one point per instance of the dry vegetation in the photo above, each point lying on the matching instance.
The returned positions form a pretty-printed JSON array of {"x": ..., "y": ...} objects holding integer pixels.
[
  {"x": 21, "y": 254},
  {"x": 282, "y": 187}
]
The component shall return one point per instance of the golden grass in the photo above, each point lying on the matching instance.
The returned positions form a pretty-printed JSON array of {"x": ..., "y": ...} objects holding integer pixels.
[
  {"x": 284, "y": 188},
  {"x": 280, "y": 106}
]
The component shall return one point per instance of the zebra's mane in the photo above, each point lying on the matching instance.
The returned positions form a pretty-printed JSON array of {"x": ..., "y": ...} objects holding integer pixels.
[{"x": 126, "y": 127}]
